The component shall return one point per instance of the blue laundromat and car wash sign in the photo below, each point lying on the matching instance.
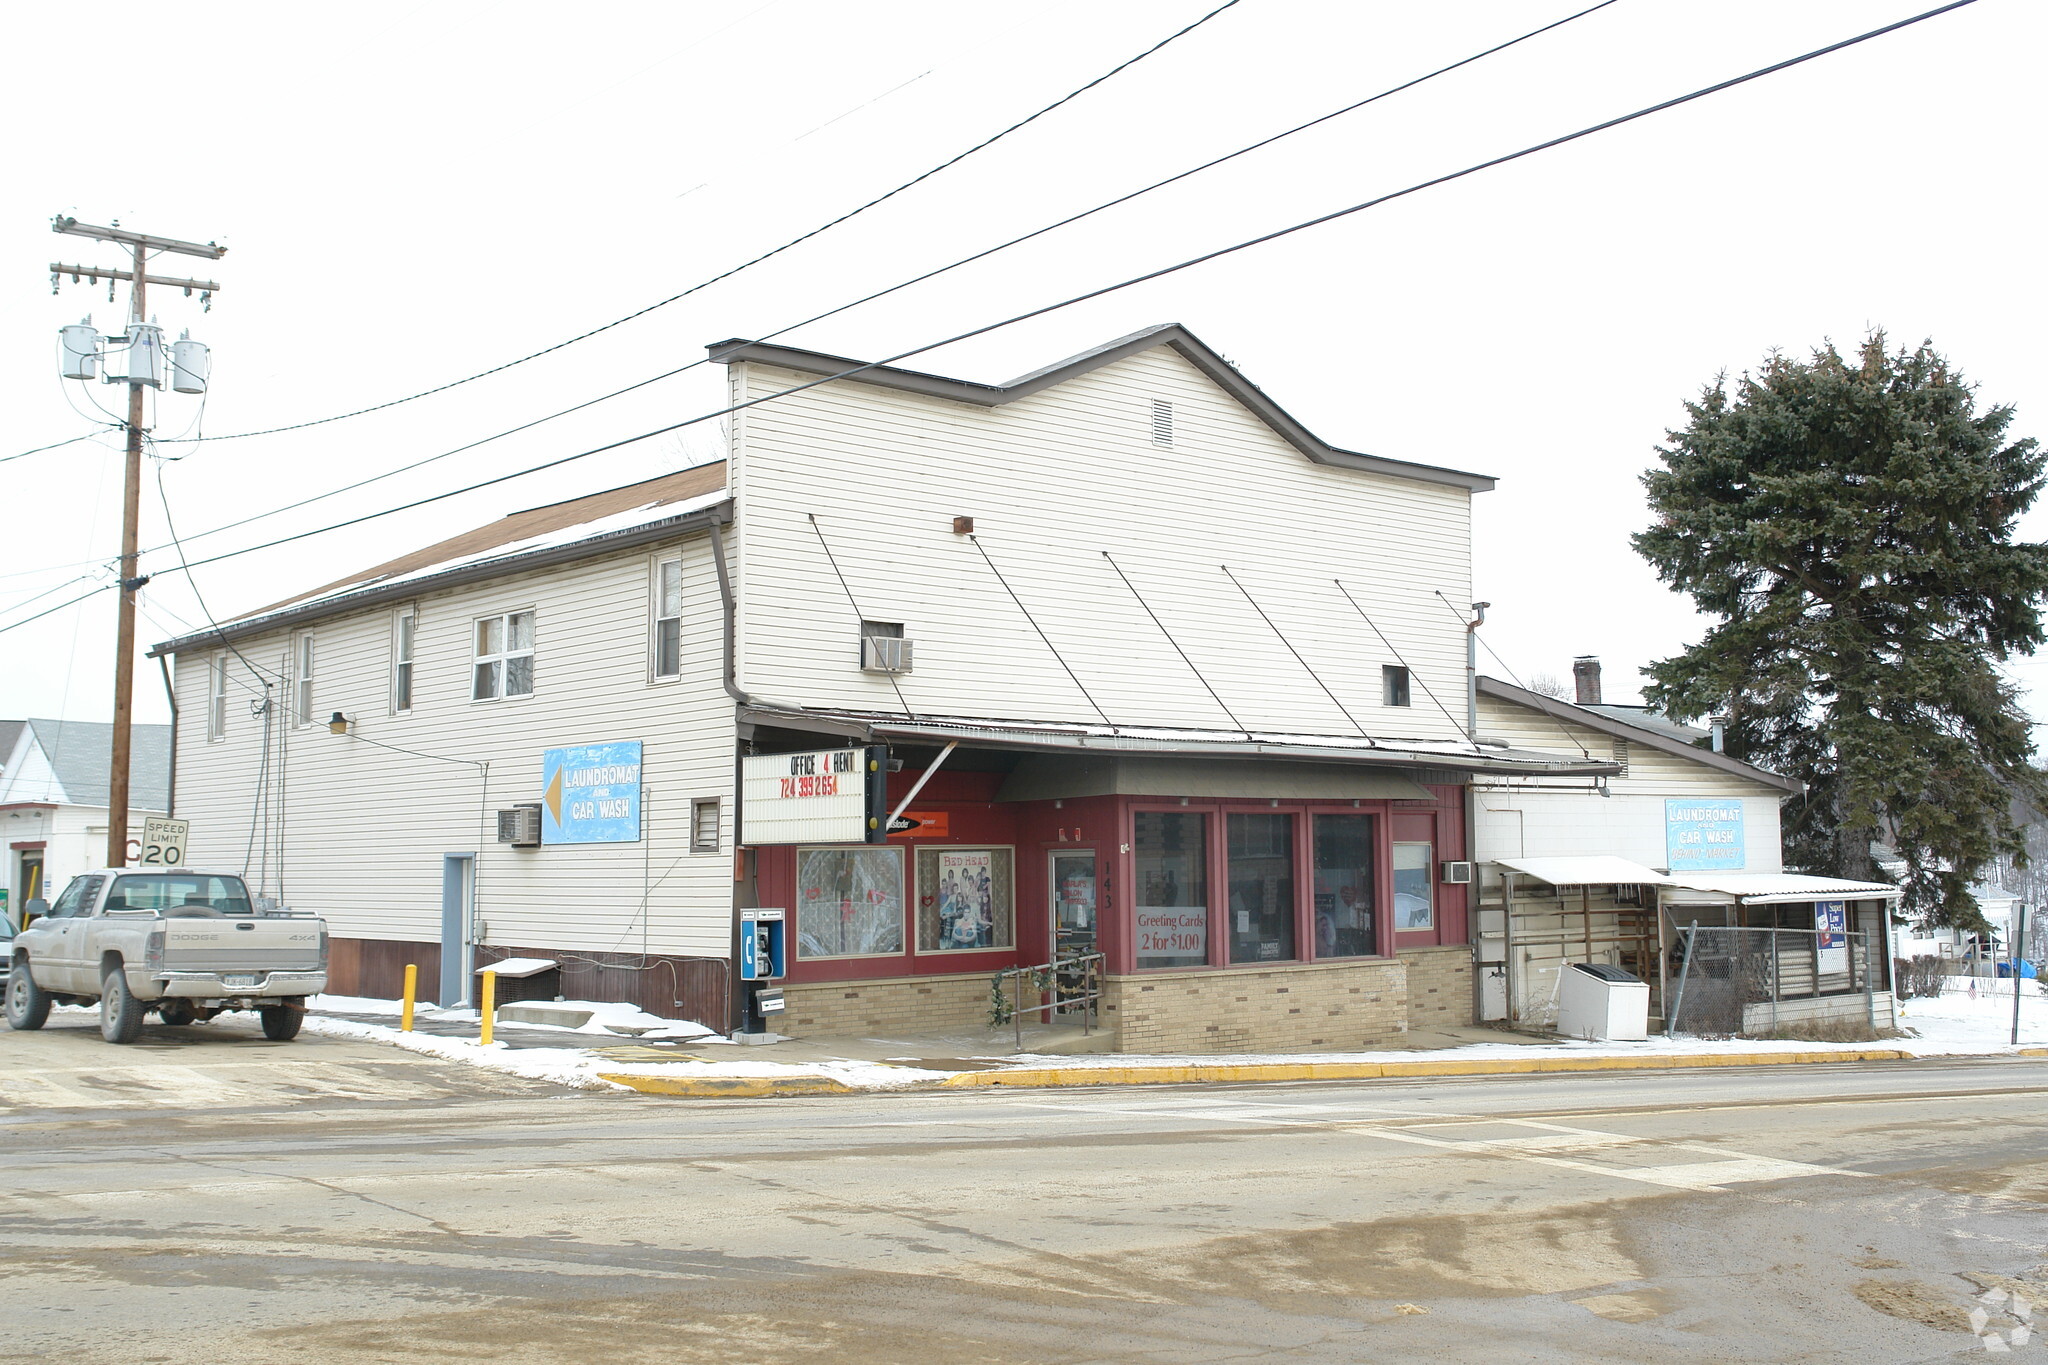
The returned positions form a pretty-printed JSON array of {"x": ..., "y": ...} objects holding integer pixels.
[
  {"x": 1703, "y": 836},
  {"x": 590, "y": 794}
]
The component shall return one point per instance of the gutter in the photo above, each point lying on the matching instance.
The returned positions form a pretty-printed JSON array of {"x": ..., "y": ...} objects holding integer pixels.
[{"x": 405, "y": 589}]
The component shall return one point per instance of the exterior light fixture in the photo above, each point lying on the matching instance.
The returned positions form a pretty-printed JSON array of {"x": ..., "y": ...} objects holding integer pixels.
[{"x": 337, "y": 724}]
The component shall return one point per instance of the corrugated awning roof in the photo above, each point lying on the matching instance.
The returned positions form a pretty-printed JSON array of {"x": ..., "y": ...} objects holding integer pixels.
[
  {"x": 1771, "y": 888},
  {"x": 1591, "y": 870},
  {"x": 1042, "y": 736}
]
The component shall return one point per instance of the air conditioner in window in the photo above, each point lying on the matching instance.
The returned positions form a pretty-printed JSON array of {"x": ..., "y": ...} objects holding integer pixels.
[
  {"x": 520, "y": 826},
  {"x": 882, "y": 654},
  {"x": 1456, "y": 874}
]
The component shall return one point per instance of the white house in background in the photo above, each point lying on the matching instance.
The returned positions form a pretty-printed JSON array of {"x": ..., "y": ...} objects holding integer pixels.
[
  {"x": 53, "y": 798},
  {"x": 1613, "y": 870},
  {"x": 1161, "y": 674}
]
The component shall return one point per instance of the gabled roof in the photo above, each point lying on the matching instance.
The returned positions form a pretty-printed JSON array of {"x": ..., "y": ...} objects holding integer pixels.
[
  {"x": 81, "y": 754},
  {"x": 555, "y": 533},
  {"x": 10, "y": 731},
  {"x": 1171, "y": 334},
  {"x": 1659, "y": 739}
]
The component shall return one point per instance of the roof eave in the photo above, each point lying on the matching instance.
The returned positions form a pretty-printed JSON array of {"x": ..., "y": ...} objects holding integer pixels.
[
  {"x": 523, "y": 561},
  {"x": 1197, "y": 353},
  {"x": 1636, "y": 734}
]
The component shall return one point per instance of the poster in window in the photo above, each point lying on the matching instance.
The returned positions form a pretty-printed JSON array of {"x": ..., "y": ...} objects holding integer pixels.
[
  {"x": 966, "y": 899},
  {"x": 1831, "y": 936},
  {"x": 849, "y": 902},
  {"x": 1414, "y": 905}
]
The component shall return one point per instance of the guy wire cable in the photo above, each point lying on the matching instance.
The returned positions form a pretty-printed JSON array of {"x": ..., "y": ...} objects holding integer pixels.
[
  {"x": 860, "y": 616},
  {"x": 1176, "y": 646},
  {"x": 914, "y": 280},
  {"x": 1281, "y": 636},
  {"x": 1412, "y": 673},
  {"x": 1562, "y": 729},
  {"x": 1163, "y": 271},
  {"x": 1076, "y": 678}
]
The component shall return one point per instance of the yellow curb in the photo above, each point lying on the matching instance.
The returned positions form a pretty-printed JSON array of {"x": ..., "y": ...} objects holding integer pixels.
[
  {"x": 1366, "y": 1071},
  {"x": 729, "y": 1087},
  {"x": 2034, "y": 1052}
]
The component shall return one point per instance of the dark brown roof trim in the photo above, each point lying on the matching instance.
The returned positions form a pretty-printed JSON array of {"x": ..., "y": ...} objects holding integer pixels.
[
  {"x": 1635, "y": 734},
  {"x": 320, "y": 608},
  {"x": 1171, "y": 334}
]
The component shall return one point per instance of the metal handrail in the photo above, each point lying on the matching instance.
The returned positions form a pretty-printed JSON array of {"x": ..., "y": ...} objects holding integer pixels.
[{"x": 1090, "y": 967}]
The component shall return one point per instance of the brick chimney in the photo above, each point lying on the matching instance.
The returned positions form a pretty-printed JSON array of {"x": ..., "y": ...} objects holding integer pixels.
[{"x": 1586, "y": 679}]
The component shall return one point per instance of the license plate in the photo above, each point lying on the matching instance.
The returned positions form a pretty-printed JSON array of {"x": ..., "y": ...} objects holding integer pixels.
[{"x": 238, "y": 983}]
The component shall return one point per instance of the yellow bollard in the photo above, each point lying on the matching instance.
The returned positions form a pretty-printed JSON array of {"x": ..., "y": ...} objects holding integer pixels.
[
  {"x": 412, "y": 985},
  {"x": 490, "y": 1003}
]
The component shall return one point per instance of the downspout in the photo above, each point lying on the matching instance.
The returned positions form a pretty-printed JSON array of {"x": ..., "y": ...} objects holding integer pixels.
[
  {"x": 171, "y": 695},
  {"x": 1472, "y": 670},
  {"x": 729, "y": 609}
]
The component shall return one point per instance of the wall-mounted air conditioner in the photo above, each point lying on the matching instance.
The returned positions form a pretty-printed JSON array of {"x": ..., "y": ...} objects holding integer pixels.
[
  {"x": 520, "y": 826},
  {"x": 884, "y": 654},
  {"x": 1456, "y": 874}
]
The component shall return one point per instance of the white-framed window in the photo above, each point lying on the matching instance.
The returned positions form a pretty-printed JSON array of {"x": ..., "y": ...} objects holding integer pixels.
[
  {"x": 666, "y": 643},
  {"x": 1393, "y": 685},
  {"x": 302, "y": 681},
  {"x": 217, "y": 699},
  {"x": 1414, "y": 887},
  {"x": 704, "y": 825},
  {"x": 964, "y": 898},
  {"x": 504, "y": 657},
  {"x": 405, "y": 628}
]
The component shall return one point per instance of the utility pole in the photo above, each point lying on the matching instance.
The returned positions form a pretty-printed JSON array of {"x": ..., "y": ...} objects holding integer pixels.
[{"x": 145, "y": 368}]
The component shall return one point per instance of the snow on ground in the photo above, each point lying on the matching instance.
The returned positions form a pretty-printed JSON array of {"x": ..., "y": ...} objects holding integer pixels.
[{"x": 1945, "y": 1026}]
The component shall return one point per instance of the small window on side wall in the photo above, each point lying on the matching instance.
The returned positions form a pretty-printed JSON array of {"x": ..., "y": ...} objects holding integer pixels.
[
  {"x": 668, "y": 618},
  {"x": 704, "y": 825},
  {"x": 403, "y": 631},
  {"x": 217, "y": 698},
  {"x": 302, "y": 683},
  {"x": 1393, "y": 685},
  {"x": 504, "y": 657}
]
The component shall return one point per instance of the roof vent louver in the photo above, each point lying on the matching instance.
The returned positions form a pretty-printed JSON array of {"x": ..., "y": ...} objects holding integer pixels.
[{"x": 1162, "y": 422}]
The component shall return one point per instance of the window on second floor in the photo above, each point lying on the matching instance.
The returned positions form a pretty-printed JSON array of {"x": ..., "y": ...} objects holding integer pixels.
[
  {"x": 1393, "y": 685},
  {"x": 404, "y": 631},
  {"x": 668, "y": 618},
  {"x": 302, "y": 681},
  {"x": 217, "y": 698},
  {"x": 504, "y": 657}
]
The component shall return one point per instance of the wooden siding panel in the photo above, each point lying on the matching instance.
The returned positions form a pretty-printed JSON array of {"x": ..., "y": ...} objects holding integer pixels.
[
  {"x": 366, "y": 827},
  {"x": 1052, "y": 481}
]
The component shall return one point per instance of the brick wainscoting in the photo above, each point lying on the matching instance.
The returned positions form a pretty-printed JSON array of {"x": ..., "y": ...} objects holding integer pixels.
[
  {"x": 1440, "y": 987},
  {"x": 1266, "y": 1009},
  {"x": 897, "y": 1004}
]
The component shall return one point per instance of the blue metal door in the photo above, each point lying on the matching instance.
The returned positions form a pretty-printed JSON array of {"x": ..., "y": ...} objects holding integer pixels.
[{"x": 455, "y": 874}]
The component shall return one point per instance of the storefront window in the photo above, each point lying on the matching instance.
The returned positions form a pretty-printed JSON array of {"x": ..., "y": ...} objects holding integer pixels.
[
  {"x": 1261, "y": 888},
  {"x": 1414, "y": 901},
  {"x": 964, "y": 899},
  {"x": 1344, "y": 886},
  {"x": 1170, "y": 853},
  {"x": 849, "y": 902}
]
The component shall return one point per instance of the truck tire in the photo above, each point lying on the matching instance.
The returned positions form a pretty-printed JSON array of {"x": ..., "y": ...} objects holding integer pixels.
[
  {"x": 176, "y": 1012},
  {"x": 281, "y": 1022},
  {"x": 28, "y": 1005},
  {"x": 120, "y": 1011}
]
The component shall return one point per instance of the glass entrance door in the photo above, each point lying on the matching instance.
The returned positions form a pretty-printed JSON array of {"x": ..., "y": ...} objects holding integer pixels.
[{"x": 1072, "y": 884}]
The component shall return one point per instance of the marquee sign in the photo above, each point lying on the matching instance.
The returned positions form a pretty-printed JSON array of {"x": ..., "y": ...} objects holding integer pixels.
[{"x": 830, "y": 796}]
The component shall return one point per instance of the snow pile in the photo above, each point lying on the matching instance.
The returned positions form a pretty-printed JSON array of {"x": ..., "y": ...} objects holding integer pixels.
[{"x": 1956, "y": 1023}]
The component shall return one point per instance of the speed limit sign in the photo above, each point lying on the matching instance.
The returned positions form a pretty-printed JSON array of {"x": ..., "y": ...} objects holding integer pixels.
[{"x": 163, "y": 841}]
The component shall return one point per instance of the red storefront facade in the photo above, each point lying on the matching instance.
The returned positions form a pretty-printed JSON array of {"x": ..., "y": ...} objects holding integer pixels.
[{"x": 1313, "y": 898}]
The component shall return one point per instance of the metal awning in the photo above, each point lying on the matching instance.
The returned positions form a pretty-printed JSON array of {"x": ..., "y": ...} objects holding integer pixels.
[
  {"x": 1597, "y": 869},
  {"x": 1054, "y": 737},
  {"x": 1776, "y": 888}
]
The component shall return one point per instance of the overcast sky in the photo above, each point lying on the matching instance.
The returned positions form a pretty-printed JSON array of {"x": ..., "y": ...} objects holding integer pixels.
[{"x": 413, "y": 192}]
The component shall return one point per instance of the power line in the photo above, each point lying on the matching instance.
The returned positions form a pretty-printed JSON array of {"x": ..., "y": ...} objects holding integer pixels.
[
  {"x": 745, "y": 265},
  {"x": 1160, "y": 273},
  {"x": 11, "y": 625},
  {"x": 54, "y": 445},
  {"x": 915, "y": 280}
]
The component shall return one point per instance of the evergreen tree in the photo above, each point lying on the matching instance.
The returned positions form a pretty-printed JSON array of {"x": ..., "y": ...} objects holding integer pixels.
[{"x": 1850, "y": 524}]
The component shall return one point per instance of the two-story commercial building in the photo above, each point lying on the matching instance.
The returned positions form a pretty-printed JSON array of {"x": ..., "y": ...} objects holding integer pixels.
[{"x": 1143, "y": 666}]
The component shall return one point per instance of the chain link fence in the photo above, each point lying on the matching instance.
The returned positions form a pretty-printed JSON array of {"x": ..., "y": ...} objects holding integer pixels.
[{"x": 1731, "y": 982}]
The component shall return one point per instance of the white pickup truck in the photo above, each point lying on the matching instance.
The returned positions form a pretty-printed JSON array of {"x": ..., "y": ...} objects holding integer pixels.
[{"x": 186, "y": 943}]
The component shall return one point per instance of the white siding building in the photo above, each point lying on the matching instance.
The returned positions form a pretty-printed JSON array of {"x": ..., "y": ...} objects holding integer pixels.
[
  {"x": 1173, "y": 680},
  {"x": 53, "y": 800}
]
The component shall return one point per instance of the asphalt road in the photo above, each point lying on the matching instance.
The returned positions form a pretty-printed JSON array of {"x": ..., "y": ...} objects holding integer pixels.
[{"x": 209, "y": 1196}]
